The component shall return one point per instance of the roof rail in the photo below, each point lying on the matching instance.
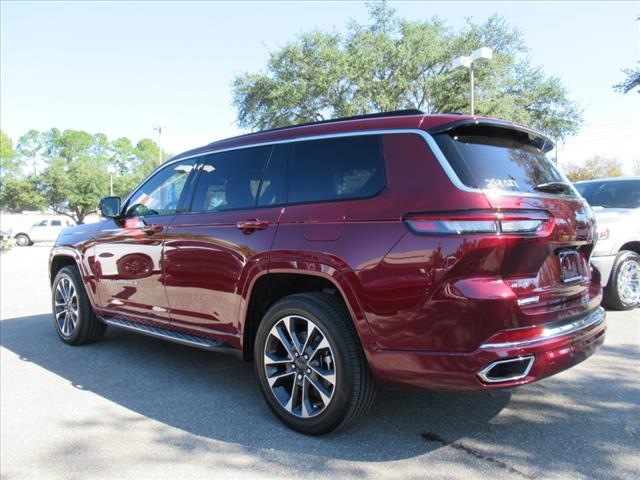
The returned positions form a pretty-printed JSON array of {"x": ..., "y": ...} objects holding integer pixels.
[{"x": 395, "y": 113}]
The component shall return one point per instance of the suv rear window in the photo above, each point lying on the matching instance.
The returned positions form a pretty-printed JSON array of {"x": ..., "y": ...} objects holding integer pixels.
[
  {"x": 498, "y": 158},
  {"x": 336, "y": 169}
]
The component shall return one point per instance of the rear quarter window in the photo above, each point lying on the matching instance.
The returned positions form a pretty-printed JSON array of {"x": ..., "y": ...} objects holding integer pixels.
[
  {"x": 494, "y": 158},
  {"x": 336, "y": 169}
]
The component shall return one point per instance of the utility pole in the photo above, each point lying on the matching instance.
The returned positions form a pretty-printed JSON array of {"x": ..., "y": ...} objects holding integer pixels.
[{"x": 159, "y": 127}]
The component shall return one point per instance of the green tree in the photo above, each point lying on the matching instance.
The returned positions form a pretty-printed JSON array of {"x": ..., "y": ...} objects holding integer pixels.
[
  {"x": 395, "y": 63},
  {"x": 30, "y": 148},
  {"x": 9, "y": 164},
  {"x": 132, "y": 163},
  {"x": 19, "y": 194},
  {"x": 632, "y": 81},
  {"x": 633, "y": 78},
  {"x": 597, "y": 166},
  {"x": 66, "y": 171},
  {"x": 74, "y": 187}
]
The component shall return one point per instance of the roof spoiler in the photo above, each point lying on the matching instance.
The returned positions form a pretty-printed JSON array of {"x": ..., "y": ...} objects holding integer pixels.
[{"x": 537, "y": 138}]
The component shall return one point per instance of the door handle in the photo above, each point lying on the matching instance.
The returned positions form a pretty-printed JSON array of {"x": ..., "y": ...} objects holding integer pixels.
[
  {"x": 152, "y": 228},
  {"x": 250, "y": 226}
]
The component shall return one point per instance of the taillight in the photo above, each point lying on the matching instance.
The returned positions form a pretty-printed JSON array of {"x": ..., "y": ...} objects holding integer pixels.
[{"x": 526, "y": 222}]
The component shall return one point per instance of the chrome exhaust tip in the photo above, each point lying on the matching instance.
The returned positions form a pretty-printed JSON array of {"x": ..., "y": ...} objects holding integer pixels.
[{"x": 507, "y": 370}]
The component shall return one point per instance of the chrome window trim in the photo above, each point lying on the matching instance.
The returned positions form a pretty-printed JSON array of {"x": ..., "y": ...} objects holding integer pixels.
[
  {"x": 590, "y": 320},
  {"x": 427, "y": 137},
  {"x": 483, "y": 373}
]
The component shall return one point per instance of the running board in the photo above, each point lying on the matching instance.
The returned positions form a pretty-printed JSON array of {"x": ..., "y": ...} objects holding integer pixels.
[{"x": 166, "y": 334}]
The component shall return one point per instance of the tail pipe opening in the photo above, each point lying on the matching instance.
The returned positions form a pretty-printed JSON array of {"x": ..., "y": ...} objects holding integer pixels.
[{"x": 507, "y": 370}]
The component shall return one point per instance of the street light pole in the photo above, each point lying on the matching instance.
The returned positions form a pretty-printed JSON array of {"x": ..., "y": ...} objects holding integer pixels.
[
  {"x": 473, "y": 89},
  {"x": 480, "y": 55},
  {"x": 111, "y": 169},
  {"x": 159, "y": 127}
]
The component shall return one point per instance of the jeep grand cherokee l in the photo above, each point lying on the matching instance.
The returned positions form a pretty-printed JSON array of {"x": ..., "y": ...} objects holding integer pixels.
[{"x": 399, "y": 250}]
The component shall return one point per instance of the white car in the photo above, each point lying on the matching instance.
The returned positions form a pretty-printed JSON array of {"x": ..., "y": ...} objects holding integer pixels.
[
  {"x": 43, "y": 231},
  {"x": 616, "y": 203}
]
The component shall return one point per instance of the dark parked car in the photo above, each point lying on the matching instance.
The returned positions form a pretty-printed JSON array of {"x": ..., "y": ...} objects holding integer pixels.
[{"x": 402, "y": 250}]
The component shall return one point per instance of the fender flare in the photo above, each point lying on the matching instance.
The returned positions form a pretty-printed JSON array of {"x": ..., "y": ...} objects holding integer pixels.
[
  {"x": 88, "y": 278},
  {"x": 339, "y": 279}
]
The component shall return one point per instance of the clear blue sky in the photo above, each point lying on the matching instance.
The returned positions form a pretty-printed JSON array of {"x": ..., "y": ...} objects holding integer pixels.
[{"x": 114, "y": 67}]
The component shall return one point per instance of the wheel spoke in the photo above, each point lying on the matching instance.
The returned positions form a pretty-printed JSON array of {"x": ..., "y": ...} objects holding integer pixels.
[
  {"x": 279, "y": 375},
  {"x": 291, "y": 330},
  {"x": 311, "y": 330},
  {"x": 65, "y": 325},
  {"x": 329, "y": 376},
  {"x": 322, "y": 345},
  {"x": 324, "y": 394},
  {"x": 281, "y": 337},
  {"x": 271, "y": 360},
  {"x": 304, "y": 400},
  {"x": 61, "y": 290}
]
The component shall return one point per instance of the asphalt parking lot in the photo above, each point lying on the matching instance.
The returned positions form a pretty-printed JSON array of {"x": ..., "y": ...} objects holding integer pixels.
[{"x": 135, "y": 407}]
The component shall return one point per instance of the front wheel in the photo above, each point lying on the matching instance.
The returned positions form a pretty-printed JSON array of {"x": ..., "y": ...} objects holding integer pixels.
[
  {"x": 23, "y": 240},
  {"x": 623, "y": 289},
  {"x": 73, "y": 317},
  {"x": 310, "y": 365}
]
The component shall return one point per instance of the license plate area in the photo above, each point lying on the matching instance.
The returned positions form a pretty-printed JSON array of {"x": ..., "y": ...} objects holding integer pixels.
[{"x": 570, "y": 270}]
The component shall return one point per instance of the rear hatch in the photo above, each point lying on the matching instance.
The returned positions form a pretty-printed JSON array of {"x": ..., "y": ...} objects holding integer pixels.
[{"x": 547, "y": 267}]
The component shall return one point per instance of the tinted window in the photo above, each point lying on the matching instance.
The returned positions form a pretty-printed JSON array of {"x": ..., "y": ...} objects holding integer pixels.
[
  {"x": 160, "y": 195},
  {"x": 611, "y": 194},
  {"x": 230, "y": 180},
  {"x": 273, "y": 181},
  {"x": 56, "y": 223},
  {"x": 497, "y": 158},
  {"x": 336, "y": 169}
]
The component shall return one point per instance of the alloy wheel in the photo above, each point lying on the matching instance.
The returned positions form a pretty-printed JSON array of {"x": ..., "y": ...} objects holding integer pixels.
[
  {"x": 300, "y": 366},
  {"x": 628, "y": 282},
  {"x": 66, "y": 306}
]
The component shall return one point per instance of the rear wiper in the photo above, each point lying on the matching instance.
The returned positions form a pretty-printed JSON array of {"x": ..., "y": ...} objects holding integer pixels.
[{"x": 553, "y": 187}]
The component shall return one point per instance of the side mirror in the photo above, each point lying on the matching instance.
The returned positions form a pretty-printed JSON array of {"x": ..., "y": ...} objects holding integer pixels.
[{"x": 109, "y": 207}]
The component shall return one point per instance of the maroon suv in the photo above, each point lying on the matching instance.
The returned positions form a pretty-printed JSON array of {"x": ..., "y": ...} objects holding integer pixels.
[{"x": 402, "y": 250}]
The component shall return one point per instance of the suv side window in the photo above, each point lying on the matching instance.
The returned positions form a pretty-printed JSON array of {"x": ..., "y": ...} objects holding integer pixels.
[
  {"x": 230, "y": 180},
  {"x": 56, "y": 223},
  {"x": 160, "y": 194},
  {"x": 272, "y": 186},
  {"x": 336, "y": 169}
]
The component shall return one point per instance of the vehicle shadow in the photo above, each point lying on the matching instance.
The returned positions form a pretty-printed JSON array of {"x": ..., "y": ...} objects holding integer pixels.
[{"x": 215, "y": 396}]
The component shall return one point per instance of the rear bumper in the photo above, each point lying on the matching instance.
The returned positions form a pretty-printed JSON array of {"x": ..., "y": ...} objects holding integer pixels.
[
  {"x": 556, "y": 350},
  {"x": 604, "y": 265}
]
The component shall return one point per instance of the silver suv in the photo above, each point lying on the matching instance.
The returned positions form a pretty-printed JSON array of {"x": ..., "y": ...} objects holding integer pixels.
[{"x": 616, "y": 203}]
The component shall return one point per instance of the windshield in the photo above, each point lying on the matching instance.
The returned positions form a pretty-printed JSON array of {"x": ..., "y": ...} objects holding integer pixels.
[
  {"x": 611, "y": 193},
  {"x": 499, "y": 158}
]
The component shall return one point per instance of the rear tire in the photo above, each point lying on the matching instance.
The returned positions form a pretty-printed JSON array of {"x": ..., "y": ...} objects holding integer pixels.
[
  {"x": 303, "y": 396},
  {"x": 623, "y": 289},
  {"x": 23, "y": 240},
  {"x": 73, "y": 317}
]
